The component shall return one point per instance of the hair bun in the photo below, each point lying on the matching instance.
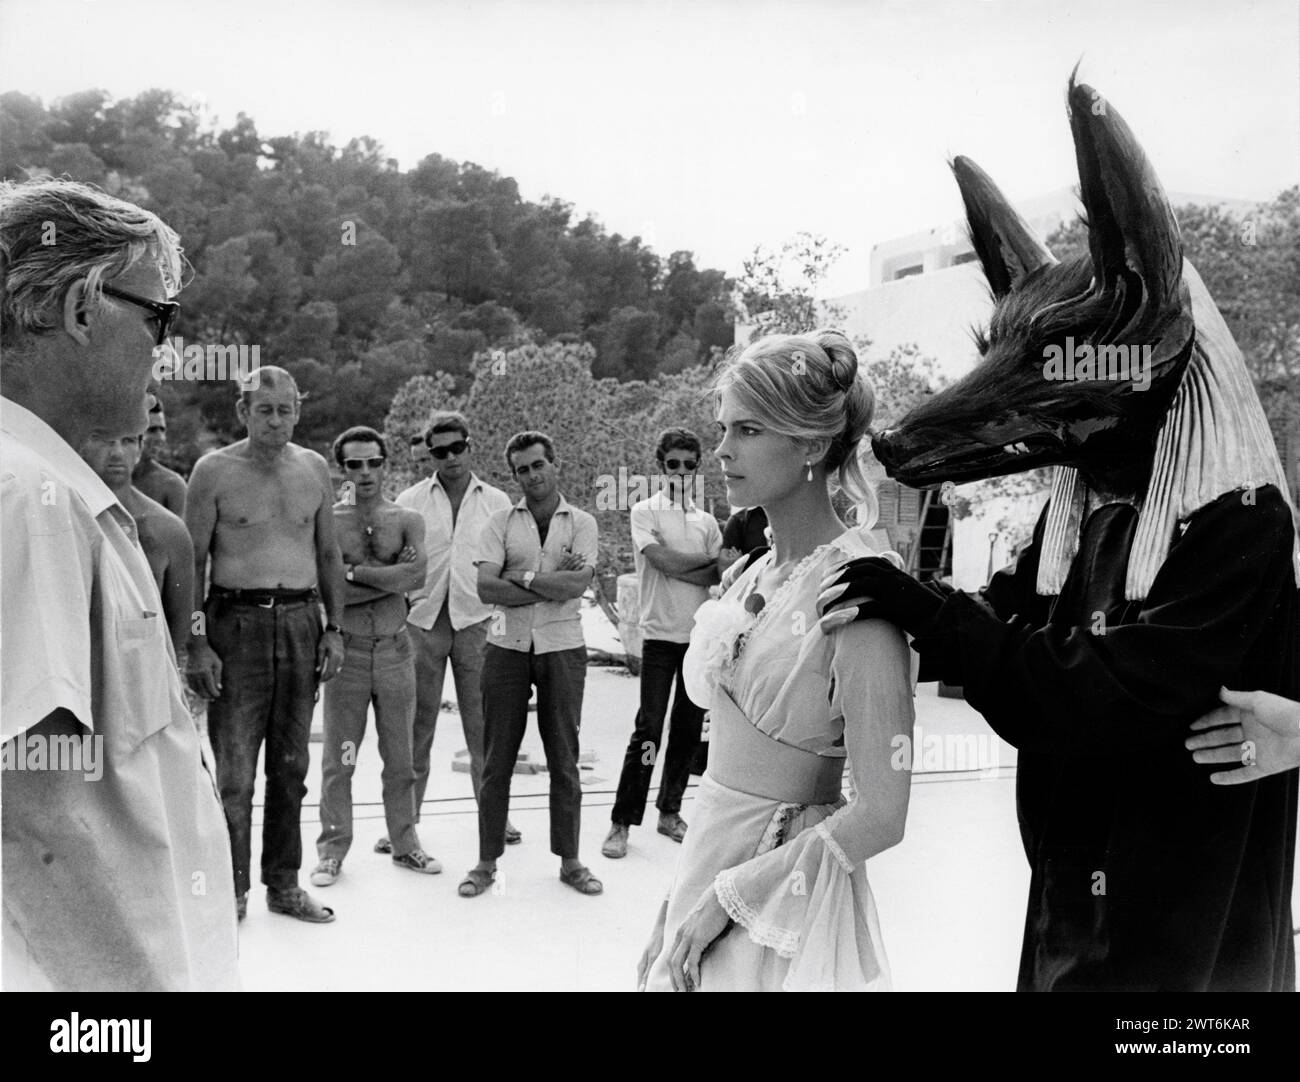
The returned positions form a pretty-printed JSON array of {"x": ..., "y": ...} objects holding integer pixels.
[{"x": 844, "y": 361}]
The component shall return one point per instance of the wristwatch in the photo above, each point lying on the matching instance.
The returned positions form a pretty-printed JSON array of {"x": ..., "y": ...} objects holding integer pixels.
[
  {"x": 528, "y": 579},
  {"x": 347, "y": 572},
  {"x": 334, "y": 627}
]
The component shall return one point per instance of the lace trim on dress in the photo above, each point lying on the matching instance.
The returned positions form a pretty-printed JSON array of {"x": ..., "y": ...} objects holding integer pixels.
[
  {"x": 841, "y": 858},
  {"x": 782, "y": 940}
]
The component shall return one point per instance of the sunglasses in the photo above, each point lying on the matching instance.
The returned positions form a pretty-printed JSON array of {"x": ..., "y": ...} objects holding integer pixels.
[
  {"x": 457, "y": 448},
  {"x": 358, "y": 463},
  {"x": 675, "y": 463},
  {"x": 165, "y": 312}
]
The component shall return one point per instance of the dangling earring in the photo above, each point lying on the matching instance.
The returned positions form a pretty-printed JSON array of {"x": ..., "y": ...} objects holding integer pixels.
[{"x": 809, "y": 465}]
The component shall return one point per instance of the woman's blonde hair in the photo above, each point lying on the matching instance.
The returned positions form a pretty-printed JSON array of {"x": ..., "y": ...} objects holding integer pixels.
[{"x": 807, "y": 387}]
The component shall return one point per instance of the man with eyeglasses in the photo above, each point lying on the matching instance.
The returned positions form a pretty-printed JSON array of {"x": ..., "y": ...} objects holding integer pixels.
[
  {"x": 447, "y": 621},
  {"x": 150, "y": 476},
  {"x": 675, "y": 549},
  {"x": 383, "y": 557},
  {"x": 262, "y": 510},
  {"x": 117, "y": 871}
]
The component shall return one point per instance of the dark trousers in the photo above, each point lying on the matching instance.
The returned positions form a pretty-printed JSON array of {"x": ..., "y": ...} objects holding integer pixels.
[
  {"x": 268, "y": 691},
  {"x": 508, "y": 676},
  {"x": 661, "y": 665}
]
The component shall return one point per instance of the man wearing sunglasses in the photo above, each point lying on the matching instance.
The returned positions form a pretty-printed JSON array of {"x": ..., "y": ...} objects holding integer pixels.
[
  {"x": 676, "y": 547},
  {"x": 150, "y": 476},
  {"x": 120, "y": 882},
  {"x": 447, "y": 621},
  {"x": 383, "y": 558}
]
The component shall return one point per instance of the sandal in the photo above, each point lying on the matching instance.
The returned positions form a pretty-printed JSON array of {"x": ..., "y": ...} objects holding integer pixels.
[
  {"x": 581, "y": 880},
  {"x": 476, "y": 881},
  {"x": 296, "y": 902}
]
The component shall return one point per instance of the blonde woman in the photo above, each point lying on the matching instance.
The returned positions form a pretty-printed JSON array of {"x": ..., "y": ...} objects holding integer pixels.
[{"x": 771, "y": 890}]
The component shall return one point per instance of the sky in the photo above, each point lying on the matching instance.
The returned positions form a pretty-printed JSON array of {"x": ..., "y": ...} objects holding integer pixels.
[{"x": 715, "y": 125}]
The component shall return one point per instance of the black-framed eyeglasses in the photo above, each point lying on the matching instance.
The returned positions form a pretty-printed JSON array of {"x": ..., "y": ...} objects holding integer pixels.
[
  {"x": 358, "y": 463},
  {"x": 675, "y": 463},
  {"x": 457, "y": 448},
  {"x": 165, "y": 312}
]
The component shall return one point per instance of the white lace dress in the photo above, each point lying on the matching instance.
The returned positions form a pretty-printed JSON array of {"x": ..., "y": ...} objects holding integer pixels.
[{"x": 791, "y": 874}]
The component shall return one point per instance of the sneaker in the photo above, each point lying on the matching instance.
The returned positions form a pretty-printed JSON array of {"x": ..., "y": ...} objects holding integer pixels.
[
  {"x": 615, "y": 842},
  {"x": 327, "y": 871},
  {"x": 383, "y": 845},
  {"x": 418, "y": 861},
  {"x": 673, "y": 826}
]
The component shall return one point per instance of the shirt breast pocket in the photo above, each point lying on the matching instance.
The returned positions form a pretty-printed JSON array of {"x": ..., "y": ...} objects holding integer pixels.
[{"x": 137, "y": 680}]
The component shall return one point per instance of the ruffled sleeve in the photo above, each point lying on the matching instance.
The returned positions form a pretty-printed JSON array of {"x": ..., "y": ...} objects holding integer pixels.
[{"x": 808, "y": 899}]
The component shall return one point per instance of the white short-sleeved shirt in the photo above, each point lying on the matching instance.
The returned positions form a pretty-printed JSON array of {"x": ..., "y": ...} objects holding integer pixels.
[
  {"x": 451, "y": 578},
  {"x": 122, "y": 881},
  {"x": 513, "y": 542},
  {"x": 668, "y": 605}
]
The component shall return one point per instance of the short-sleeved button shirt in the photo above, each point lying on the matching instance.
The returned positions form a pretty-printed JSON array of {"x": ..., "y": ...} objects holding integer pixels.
[
  {"x": 121, "y": 881},
  {"x": 668, "y": 605},
  {"x": 513, "y": 542},
  {"x": 451, "y": 578}
]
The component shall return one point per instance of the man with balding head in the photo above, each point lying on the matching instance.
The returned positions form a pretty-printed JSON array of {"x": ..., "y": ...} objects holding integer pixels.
[
  {"x": 262, "y": 511},
  {"x": 117, "y": 871}
]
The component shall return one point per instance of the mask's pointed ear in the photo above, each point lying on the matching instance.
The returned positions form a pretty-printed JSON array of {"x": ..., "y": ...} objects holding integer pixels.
[
  {"x": 1007, "y": 248},
  {"x": 1131, "y": 228}
]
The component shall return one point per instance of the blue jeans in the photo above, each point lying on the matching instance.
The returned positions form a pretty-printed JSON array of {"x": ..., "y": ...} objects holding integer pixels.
[
  {"x": 661, "y": 665},
  {"x": 268, "y": 681},
  {"x": 380, "y": 671},
  {"x": 508, "y": 676}
]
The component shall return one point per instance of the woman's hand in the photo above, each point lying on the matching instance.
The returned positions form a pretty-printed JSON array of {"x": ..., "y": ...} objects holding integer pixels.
[
  {"x": 653, "y": 949},
  {"x": 1257, "y": 732},
  {"x": 703, "y": 925}
]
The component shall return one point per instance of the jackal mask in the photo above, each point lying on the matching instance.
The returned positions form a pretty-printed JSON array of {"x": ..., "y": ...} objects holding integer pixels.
[{"x": 1162, "y": 396}]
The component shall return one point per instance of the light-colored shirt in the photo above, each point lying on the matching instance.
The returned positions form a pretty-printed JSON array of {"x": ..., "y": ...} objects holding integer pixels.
[
  {"x": 512, "y": 541},
  {"x": 451, "y": 579},
  {"x": 120, "y": 881},
  {"x": 667, "y": 604}
]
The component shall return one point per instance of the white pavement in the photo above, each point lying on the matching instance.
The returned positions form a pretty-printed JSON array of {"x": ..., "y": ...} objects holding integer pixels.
[{"x": 951, "y": 895}]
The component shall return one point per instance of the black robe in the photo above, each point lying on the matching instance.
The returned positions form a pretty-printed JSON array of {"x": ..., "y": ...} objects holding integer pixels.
[{"x": 1144, "y": 875}]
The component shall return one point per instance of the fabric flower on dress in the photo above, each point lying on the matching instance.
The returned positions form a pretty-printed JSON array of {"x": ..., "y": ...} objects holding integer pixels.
[{"x": 718, "y": 627}]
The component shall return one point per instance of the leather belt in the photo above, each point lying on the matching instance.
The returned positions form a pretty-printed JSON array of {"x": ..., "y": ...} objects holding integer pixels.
[{"x": 265, "y": 599}]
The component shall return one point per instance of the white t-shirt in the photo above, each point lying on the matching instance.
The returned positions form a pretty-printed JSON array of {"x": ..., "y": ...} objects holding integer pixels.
[{"x": 668, "y": 605}]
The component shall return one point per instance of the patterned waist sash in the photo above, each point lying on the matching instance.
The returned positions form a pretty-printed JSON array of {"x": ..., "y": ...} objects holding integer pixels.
[{"x": 742, "y": 758}]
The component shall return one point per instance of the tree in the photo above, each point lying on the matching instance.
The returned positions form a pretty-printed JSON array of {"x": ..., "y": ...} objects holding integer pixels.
[{"x": 777, "y": 291}]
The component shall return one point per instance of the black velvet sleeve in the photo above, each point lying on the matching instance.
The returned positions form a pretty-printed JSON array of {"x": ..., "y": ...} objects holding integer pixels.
[{"x": 1053, "y": 688}]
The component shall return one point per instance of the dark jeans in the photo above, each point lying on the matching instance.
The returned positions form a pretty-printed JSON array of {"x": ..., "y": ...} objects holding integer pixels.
[
  {"x": 661, "y": 663},
  {"x": 508, "y": 676},
  {"x": 268, "y": 690}
]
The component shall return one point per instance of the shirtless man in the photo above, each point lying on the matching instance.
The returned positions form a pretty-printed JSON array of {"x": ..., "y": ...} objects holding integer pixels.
[
  {"x": 166, "y": 542},
  {"x": 150, "y": 476},
  {"x": 383, "y": 557},
  {"x": 262, "y": 509}
]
